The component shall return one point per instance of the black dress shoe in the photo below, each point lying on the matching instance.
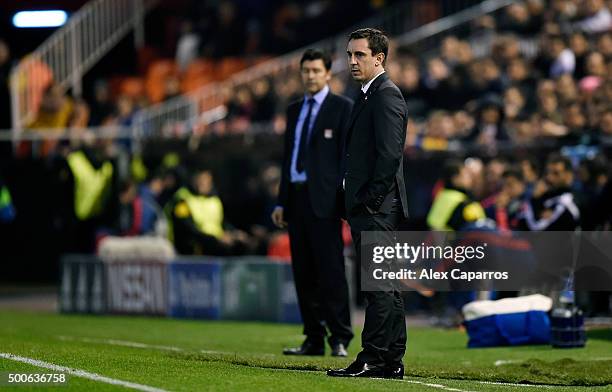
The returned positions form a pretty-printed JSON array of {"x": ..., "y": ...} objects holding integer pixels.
[
  {"x": 358, "y": 369},
  {"x": 306, "y": 348},
  {"x": 394, "y": 372},
  {"x": 338, "y": 350}
]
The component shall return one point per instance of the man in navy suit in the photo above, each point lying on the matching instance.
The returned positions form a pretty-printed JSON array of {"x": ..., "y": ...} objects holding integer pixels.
[
  {"x": 314, "y": 148},
  {"x": 375, "y": 198}
]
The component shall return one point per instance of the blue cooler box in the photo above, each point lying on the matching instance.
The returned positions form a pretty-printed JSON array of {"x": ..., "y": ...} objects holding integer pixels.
[{"x": 508, "y": 321}]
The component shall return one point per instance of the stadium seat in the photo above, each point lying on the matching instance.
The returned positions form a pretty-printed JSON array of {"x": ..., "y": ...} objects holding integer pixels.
[{"x": 133, "y": 87}]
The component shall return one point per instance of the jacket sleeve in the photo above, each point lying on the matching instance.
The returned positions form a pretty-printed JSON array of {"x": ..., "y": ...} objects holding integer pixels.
[
  {"x": 389, "y": 135},
  {"x": 344, "y": 124},
  {"x": 283, "y": 193}
]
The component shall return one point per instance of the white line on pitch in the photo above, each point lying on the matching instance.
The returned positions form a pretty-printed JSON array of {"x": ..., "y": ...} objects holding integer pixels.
[
  {"x": 511, "y": 384},
  {"x": 80, "y": 373},
  {"x": 125, "y": 343},
  {"x": 501, "y": 362},
  {"x": 439, "y": 386}
]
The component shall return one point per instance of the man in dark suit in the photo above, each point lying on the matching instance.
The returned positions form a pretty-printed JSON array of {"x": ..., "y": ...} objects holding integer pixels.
[
  {"x": 314, "y": 147},
  {"x": 375, "y": 197}
]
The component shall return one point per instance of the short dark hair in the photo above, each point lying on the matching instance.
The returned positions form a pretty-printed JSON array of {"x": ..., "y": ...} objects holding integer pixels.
[
  {"x": 555, "y": 158},
  {"x": 378, "y": 42},
  {"x": 533, "y": 164},
  {"x": 450, "y": 169},
  {"x": 317, "y": 54},
  {"x": 513, "y": 172}
]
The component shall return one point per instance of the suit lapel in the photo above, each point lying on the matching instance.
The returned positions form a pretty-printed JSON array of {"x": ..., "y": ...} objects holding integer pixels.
[
  {"x": 293, "y": 118},
  {"x": 316, "y": 127},
  {"x": 363, "y": 102}
]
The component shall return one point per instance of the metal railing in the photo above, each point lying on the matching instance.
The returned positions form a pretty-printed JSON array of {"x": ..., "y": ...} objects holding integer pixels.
[
  {"x": 71, "y": 51},
  {"x": 205, "y": 105}
]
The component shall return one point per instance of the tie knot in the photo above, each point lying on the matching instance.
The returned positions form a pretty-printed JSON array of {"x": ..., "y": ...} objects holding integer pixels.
[{"x": 310, "y": 101}]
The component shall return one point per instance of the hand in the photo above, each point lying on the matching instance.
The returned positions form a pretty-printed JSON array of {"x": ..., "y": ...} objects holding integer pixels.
[
  {"x": 227, "y": 239},
  {"x": 278, "y": 217},
  {"x": 540, "y": 188}
]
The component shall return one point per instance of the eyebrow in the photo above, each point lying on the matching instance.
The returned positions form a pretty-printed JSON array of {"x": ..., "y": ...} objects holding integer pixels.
[{"x": 356, "y": 52}]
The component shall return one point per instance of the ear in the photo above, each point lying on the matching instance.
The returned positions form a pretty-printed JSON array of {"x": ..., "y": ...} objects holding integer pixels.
[
  {"x": 380, "y": 58},
  {"x": 328, "y": 75}
]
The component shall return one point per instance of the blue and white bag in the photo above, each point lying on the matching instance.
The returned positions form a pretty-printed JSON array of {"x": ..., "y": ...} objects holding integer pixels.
[{"x": 508, "y": 321}]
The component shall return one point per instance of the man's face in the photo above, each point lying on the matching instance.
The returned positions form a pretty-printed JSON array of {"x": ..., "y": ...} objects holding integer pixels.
[
  {"x": 557, "y": 177},
  {"x": 203, "y": 183},
  {"x": 314, "y": 75},
  {"x": 463, "y": 179},
  {"x": 513, "y": 186},
  {"x": 363, "y": 65}
]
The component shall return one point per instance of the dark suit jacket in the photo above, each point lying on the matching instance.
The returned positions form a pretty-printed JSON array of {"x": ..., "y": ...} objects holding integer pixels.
[
  {"x": 375, "y": 145},
  {"x": 325, "y": 154}
]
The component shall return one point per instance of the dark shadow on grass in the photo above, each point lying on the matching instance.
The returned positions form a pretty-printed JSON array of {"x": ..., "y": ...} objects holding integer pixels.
[
  {"x": 564, "y": 372},
  {"x": 600, "y": 334}
]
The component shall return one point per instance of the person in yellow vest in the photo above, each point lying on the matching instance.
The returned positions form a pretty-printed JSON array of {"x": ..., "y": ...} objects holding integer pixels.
[
  {"x": 453, "y": 207},
  {"x": 452, "y": 210},
  {"x": 93, "y": 176},
  {"x": 197, "y": 221}
]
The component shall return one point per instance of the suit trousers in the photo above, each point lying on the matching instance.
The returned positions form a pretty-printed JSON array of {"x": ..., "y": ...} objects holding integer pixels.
[
  {"x": 384, "y": 332},
  {"x": 318, "y": 271}
]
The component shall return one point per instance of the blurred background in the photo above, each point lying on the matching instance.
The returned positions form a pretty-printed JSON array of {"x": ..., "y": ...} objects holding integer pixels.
[{"x": 106, "y": 117}]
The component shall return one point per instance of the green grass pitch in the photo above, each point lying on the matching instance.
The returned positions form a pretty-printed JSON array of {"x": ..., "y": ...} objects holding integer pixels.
[{"x": 186, "y": 355}]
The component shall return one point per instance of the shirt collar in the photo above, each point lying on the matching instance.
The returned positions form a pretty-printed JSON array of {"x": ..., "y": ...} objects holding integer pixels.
[
  {"x": 320, "y": 96},
  {"x": 365, "y": 87}
]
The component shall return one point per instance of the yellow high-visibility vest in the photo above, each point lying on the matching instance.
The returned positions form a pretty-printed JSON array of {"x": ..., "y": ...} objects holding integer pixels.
[
  {"x": 5, "y": 197},
  {"x": 91, "y": 185},
  {"x": 445, "y": 204},
  {"x": 206, "y": 211}
]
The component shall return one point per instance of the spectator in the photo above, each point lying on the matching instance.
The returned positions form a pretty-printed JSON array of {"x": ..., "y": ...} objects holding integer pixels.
[
  {"x": 604, "y": 44},
  {"x": 412, "y": 90},
  {"x": 137, "y": 214},
  {"x": 552, "y": 206},
  {"x": 228, "y": 34},
  {"x": 519, "y": 74},
  {"x": 563, "y": 59},
  {"x": 453, "y": 207},
  {"x": 575, "y": 121},
  {"x": 597, "y": 17},
  {"x": 580, "y": 47},
  {"x": 102, "y": 107},
  {"x": 517, "y": 19},
  {"x": 566, "y": 89},
  {"x": 187, "y": 46},
  {"x": 596, "y": 65},
  {"x": 514, "y": 103},
  {"x": 264, "y": 101},
  {"x": 530, "y": 170},
  {"x": 198, "y": 221},
  {"x": 605, "y": 125},
  {"x": 7, "y": 209},
  {"x": 55, "y": 109},
  {"x": 124, "y": 111},
  {"x": 5, "y": 96},
  {"x": 593, "y": 174},
  {"x": 509, "y": 201},
  {"x": 489, "y": 127}
]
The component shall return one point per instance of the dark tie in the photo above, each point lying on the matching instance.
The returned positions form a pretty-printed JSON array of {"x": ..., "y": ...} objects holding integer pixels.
[{"x": 301, "y": 158}]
